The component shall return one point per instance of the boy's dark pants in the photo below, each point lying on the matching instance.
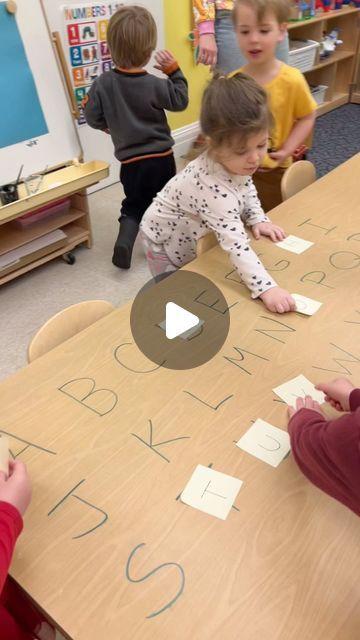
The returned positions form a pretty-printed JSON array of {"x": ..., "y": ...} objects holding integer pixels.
[{"x": 142, "y": 180}]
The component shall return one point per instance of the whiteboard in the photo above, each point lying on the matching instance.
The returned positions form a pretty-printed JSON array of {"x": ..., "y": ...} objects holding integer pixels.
[
  {"x": 96, "y": 144},
  {"x": 56, "y": 140}
]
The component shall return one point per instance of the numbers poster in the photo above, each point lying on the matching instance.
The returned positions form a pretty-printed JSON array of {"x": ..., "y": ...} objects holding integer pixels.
[{"x": 85, "y": 38}]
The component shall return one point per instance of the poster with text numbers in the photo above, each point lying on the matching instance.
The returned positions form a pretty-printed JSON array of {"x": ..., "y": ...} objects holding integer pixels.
[{"x": 88, "y": 53}]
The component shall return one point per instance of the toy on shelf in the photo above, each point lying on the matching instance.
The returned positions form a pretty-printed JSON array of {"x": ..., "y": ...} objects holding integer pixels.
[
  {"x": 329, "y": 42},
  {"x": 302, "y": 10},
  {"x": 325, "y": 5}
]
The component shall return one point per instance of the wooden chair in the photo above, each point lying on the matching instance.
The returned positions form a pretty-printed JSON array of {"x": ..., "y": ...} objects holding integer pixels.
[
  {"x": 298, "y": 176},
  {"x": 65, "y": 324},
  {"x": 205, "y": 243}
]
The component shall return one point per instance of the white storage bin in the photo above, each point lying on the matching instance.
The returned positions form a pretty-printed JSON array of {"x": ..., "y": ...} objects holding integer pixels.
[
  {"x": 318, "y": 93},
  {"x": 302, "y": 54}
]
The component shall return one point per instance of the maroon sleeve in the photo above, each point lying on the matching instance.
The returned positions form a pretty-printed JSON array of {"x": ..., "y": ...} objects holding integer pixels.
[
  {"x": 354, "y": 399},
  {"x": 328, "y": 453},
  {"x": 11, "y": 525}
]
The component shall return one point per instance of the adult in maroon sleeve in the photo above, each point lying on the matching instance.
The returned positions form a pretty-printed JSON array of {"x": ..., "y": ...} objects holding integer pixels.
[
  {"x": 328, "y": 451},
  {"x": 19, "y": 620},
  {"x": 15, "y": 493}
]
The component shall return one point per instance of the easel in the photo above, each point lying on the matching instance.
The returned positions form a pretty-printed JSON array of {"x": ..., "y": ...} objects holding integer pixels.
[{"x": 66, "y": 183}]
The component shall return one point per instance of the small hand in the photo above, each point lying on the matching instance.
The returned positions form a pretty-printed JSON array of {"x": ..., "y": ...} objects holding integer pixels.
[
  {"x": 16, "y": 488},
  {"x": 278, "y": 300},
  {"x": 304, "y": 403},
  {"x": 337, "y": 393},
  {"x": 268, "y": 229},
  {"x": 207, "y": 50},
  {"x": 279, "y": 156},
  {"x": 164, "y": 59}
]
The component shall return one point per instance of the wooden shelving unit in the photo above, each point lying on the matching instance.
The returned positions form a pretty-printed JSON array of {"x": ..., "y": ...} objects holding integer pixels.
[
  {"x": 355, "y": 93},
  {"x": 70, "y": 181},
  {"x": 336, "y": 71}
]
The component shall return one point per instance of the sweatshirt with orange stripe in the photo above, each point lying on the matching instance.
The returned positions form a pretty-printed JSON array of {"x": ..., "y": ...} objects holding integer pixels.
[{"x": 131, "y": 106}]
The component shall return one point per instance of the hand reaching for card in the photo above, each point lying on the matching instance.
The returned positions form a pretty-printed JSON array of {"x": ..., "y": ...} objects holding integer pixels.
[
  {"x": 278, "y": 300},
  {"x": 269, "y": 229},
  {"x": 304, "y": 403},
  {"x": 337, "y": 393},
  {"x": 16, "y": 488}
]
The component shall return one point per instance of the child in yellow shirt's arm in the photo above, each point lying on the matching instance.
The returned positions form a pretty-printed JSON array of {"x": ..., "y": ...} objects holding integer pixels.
[{"x": 260, "y": 25}]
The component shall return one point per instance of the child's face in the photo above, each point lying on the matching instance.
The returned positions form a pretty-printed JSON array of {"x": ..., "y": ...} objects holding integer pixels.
[
  {"x": 244, "y": 158},
  {"x": 257, "y": 40}
]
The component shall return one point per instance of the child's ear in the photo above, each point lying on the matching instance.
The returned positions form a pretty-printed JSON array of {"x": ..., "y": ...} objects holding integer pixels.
[{"x": 283, "y": 30}]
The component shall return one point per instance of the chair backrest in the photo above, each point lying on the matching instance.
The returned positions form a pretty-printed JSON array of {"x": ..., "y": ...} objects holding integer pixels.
[
  {"x": 66, "y": 324},
  {"x": 298, "y": 176},
  {"x": 205, "y": 243}
]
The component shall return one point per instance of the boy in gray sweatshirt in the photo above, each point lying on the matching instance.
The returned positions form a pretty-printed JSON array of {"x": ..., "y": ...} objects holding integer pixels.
[{"x": 129, "y": 103}]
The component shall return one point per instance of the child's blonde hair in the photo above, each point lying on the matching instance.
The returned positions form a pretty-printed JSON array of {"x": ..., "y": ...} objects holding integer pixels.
[
  {"x": 233, "y": 108},
  {"x": 280, "y": 9},
  {"x": 131, "y": 36}
]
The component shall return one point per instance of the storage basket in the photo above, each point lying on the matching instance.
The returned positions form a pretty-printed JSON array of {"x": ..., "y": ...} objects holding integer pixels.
[
  {"x": 302, "y": 54},
  {"x": 318, "y": 93}
]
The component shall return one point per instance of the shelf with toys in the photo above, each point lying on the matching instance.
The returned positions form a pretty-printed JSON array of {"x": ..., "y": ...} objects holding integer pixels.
[{"x": 333, "y": 43}]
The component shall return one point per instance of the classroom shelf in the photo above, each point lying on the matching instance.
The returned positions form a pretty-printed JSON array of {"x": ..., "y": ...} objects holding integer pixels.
[
  {"x": 75, "y": 235},
  {"x": 334, "y": 57},
  {"x": 355, "y": 90},
  {"x": 337, "y": 71},
  {"x": 337, "y": 101},
  {"x": 70, "y": 181},
  {"x": 56, "y": 185},
  {"x": 344, "y": 11},
  {"x": 13, "y": 237}
]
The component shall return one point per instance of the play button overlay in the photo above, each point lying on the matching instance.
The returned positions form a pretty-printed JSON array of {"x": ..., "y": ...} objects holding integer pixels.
[{"x": 180, "y": 322}]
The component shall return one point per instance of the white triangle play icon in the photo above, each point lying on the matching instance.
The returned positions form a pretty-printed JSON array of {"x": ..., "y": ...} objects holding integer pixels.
[{"x": 178, "y": 320}]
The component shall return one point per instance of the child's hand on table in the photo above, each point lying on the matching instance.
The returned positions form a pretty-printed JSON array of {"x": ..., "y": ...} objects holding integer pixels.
[
  {"x": 16, "y": 488},
  {"x": 278, "y": 300},
  {"x": 164, "y": 59},
  {"x": 337, "y": 393},
  {"x": 304, "y": 403},
  {"x": 269, "y": 229}
]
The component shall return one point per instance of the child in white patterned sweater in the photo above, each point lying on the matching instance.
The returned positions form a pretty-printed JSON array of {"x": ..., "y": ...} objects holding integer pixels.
[{"x": 215, "y": 192}]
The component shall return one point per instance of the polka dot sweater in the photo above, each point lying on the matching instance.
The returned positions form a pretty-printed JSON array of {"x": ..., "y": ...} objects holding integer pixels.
[{"x": 205, "y": 197}]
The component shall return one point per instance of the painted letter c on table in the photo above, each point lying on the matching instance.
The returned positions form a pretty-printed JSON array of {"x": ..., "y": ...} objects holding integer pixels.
[{"x": 126, "y": 344}]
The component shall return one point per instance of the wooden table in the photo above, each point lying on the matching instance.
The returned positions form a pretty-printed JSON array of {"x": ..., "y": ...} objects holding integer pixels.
[{"x": 107, "y": 546}]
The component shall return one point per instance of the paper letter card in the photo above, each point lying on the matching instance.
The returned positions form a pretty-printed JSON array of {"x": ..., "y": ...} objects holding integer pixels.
[
  {"x": 211, "y": 491},
  {"x": 294, "y": 244},
  {"x": 305, "y": 305},
  {"x": 4, "y": 454},
  {"x": 266, "y": 442},
  {"x": 298, "y": 387}
]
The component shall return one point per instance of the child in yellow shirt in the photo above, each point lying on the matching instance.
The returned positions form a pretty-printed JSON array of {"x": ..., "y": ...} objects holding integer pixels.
[{"x": 260, "y": 25}]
